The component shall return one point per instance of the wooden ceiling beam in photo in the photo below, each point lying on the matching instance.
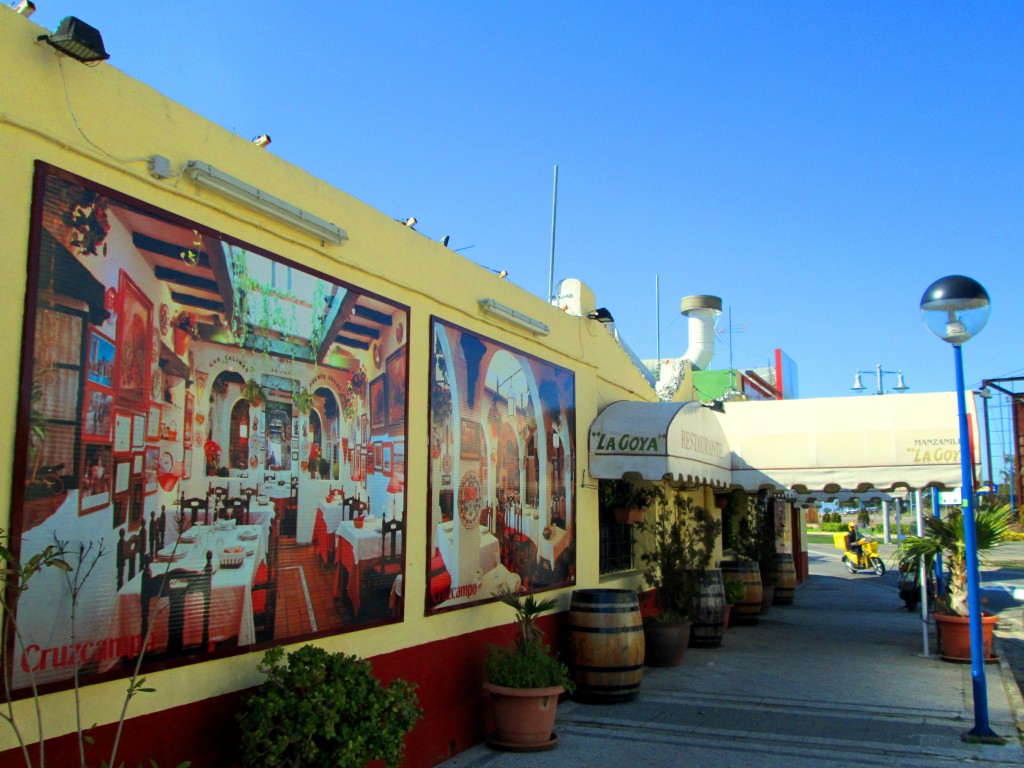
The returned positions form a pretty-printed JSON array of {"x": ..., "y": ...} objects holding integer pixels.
[
  {"x": 171, "y": 251},
  {"x": 186, "y": 279},
  {"x": 373, "y": 316},
  {"x": 222, "y": 277},
  {"x": 346, "y": 309},
  {"x": 348, "y": 341},
  {"x": 197, "y": 302},
  {"x": 361, "y": 330}
]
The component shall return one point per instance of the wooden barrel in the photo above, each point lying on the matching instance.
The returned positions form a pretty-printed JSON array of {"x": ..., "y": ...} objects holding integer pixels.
[
  {"x": 785, "y": 578},
  {"x": 709, "y": 616},
  {"x": 747, "y": 610},
  {"x": 606, "y": 644}
]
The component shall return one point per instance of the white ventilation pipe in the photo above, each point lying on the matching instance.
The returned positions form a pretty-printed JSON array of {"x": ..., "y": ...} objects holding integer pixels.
[{"x": 701, "y": 312}]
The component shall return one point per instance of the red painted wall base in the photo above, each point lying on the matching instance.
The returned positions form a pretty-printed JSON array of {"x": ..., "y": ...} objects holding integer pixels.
[{"x": 448, "y": 673}]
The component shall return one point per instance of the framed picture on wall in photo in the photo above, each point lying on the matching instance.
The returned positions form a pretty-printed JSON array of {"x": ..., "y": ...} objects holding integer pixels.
[
  {"x": 190, "y": 411},
  {"x": 100, "y": 366},
  {"x": 97, "y": 421},
  {"x": 396, "y": 370},
  {"x": 94, "y": 487},
  {"x": 134, "y": 328},
  {"x": 153, "y": 423},
  {"x": 152, "y": 466},
  {"x": 388, "y": 460},
  {"x": 471, "y": 439},
  {"x": 378, "y": 404},
  {"x": 378, "y": 456},
  {"x": 122, "y": 432},
  {"x": 138, "y": 431}
]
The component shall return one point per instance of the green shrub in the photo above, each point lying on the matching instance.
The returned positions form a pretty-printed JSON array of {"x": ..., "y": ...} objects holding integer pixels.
[
  {"x": 528, "y": 666},
  {"x": 323, "y": 710},
  {"x": 834, "y": 527}
]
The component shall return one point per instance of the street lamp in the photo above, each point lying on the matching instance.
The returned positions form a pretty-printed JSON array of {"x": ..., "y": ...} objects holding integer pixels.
[
  {"x": 858, "y": 385},
  {"x": 955, "y": 308}
]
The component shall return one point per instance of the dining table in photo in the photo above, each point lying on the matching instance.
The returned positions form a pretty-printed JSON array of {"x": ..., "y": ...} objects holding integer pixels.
[
  {"x": 236, "y": 552},
  {"x": 359, "y": 545}
]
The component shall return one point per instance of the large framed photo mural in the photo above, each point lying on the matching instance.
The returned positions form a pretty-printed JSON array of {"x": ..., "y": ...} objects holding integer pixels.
[
  {"x": 502, "y": 441},
  {"x": 160, "y": 365}
]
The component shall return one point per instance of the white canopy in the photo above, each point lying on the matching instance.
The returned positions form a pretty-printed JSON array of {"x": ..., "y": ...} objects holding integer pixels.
[
  {"x": 848, "y": 443},
  {"x": 677, "y": 441}
]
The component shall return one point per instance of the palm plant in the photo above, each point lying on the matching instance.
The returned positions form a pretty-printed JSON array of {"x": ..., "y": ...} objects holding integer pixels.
[{"x": 945, "y": 536}]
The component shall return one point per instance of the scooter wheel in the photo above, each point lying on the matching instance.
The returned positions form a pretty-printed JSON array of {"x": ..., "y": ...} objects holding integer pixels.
[
  {"x": 879, "y": 567},
  {"x": 849, "y": 566}
]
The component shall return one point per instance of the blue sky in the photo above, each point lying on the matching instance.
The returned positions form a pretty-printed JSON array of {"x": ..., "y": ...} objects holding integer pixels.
[{"x": 816, "y": 165}]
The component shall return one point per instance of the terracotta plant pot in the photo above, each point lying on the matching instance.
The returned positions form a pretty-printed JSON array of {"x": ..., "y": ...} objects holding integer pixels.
[
  {"x": 631, "y": 516},
  {"x": 955, "y": 636},
  {"x": 524, "y": 718},
  {"x": 665, "y": 642},
  {"x": 182, "y": 342}
]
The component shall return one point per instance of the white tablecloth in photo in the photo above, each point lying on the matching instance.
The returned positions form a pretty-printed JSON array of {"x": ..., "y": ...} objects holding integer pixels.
[
  {"x": 262, "y": 515},
  {"x": 230, "y": 592},
  {"x": 358, "y": 549},
  {"x": 552, "y": 547},
  {"x": 526, "y": 524},
  {"x": 334, "y": 513},
  {"x": 490, "y": 553}
]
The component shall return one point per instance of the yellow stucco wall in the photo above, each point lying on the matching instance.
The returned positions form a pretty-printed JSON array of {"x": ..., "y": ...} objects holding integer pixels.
[{"x": 103, "y": 125}]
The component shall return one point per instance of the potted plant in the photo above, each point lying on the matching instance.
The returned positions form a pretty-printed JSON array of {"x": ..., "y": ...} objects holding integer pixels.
[
  {"x": 325, "y": 709},
  {"x": 253, "y": 392},
  {"x": 212, "y": 450},
  {"x": 757, "y": 542},
  {"x": 186, "y": 328},
  {"x": 734, "y": 591},
  {"x": 945, "y": 536},
  {"x": 525, "y": 681},
  {"x": 303, "y": 400},
  {"x": 628, "y": 502},
  {"x": 677, "y": 549}
]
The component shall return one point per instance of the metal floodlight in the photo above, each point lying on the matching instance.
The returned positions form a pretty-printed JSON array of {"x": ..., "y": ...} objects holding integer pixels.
[
  {"x": 857, "y": 383},
  {"x": 78, "y": 40},
  {"x": 602, "y": 315},
  {"x": 955, "y": 308}
]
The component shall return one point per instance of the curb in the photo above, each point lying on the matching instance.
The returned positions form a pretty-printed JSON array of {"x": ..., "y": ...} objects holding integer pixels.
[{"x": 1013, "y": 693}]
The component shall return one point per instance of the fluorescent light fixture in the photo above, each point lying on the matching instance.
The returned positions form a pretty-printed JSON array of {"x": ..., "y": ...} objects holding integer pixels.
[
  {"x": 205, "y": 175},
  {"x": 491, "y": 307}
]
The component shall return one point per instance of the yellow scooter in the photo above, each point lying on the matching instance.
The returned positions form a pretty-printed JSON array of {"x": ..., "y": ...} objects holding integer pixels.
[{"x": 867, "y": 561}]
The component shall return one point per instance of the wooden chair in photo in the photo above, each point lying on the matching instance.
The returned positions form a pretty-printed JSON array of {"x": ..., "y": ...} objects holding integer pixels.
[
  {"x": 248, "y": 492},
  {"x": 390, "y": 562},
  {"x": 179, "y": 586},
  {"x": 264, "y": 590},
  {"x": 357, "y": 508},
  {"x": 194, "y": 507},
  {"x": 125, "y": 557},
  {"x": 235, "y": 508},
  {"x": 157, "y": 530}
]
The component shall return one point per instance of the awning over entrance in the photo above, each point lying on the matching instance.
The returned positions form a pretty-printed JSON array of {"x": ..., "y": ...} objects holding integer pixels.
[
  {"x": 847, "y": 443},
  {"x": 677, "y": 441}
]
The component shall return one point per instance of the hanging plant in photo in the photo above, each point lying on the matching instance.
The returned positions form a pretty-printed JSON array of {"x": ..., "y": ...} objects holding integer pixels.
[{"x": 86, "y": 219}]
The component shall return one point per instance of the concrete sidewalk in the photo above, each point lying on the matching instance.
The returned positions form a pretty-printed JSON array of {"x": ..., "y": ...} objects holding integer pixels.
[{"x": 836, "y": 677}]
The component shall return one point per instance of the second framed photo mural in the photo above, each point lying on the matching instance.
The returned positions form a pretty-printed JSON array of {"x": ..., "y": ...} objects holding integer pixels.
[{"x": 502, "y": 493}]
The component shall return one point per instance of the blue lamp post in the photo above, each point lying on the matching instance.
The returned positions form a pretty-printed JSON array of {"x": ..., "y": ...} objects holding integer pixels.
[{"x": 955, "y": 308}]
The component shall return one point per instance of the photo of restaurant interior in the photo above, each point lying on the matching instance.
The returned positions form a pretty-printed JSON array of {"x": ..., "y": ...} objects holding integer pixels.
[{"x": 227, "y": 428}]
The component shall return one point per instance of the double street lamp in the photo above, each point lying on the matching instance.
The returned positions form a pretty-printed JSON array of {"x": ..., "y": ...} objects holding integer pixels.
[
  {"x": 955, "y": 308},
  {"x": 858, "y": 385}
]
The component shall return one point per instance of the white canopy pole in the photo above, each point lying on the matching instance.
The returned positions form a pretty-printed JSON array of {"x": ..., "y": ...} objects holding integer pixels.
[{"x": 885, "y": 523}]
